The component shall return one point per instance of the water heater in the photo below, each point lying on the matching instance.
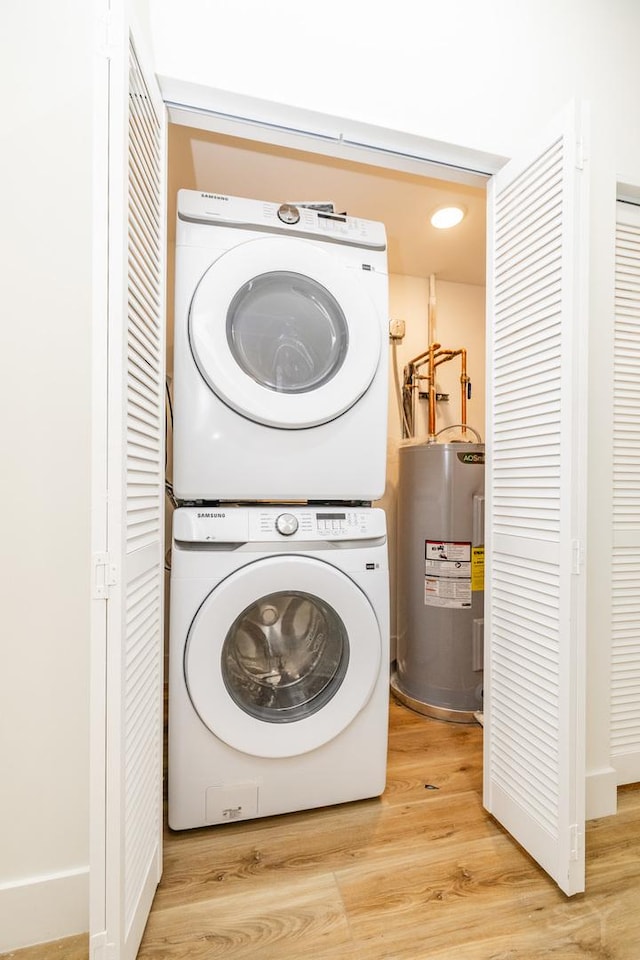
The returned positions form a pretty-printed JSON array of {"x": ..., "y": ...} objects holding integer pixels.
[{"x": 440, "y": 642}]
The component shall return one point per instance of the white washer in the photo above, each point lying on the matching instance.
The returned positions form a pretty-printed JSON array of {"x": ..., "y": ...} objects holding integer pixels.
[
  {"x": 279, "y": 651},
  {"x": 280, "y": 353}
]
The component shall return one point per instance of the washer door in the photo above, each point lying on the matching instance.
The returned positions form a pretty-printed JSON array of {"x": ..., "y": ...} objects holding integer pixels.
[
  {"x": 281, "y": 656},
  {"x": 284, "y": 333}
]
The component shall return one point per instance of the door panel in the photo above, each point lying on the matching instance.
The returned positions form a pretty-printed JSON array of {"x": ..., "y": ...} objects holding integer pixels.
[
  {"x": 246, "y": 606},
  {"x": 126, "y": 871},
  {"x": 625, "y": 576},
  {"x": 138, "y": 618},
  {"x": 284, "y": 332},
  {"x": 535, "y": 489}
]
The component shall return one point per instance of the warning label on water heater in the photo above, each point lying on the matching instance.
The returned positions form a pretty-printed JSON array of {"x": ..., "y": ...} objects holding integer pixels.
[
  {"x": 477, "y": 569},
  {"x": 447, "y": 581}
]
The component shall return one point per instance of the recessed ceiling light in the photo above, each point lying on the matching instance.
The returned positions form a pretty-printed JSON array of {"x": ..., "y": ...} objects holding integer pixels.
[{"x": 445, "y": 217}]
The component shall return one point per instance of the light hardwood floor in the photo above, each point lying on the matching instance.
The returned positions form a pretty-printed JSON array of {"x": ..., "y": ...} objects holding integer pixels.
[{"x": 419, "y": 874}]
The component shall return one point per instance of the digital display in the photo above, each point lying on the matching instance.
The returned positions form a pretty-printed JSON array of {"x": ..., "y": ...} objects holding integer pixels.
[
  {"x": 331, "y": 516},
  {"x": 332, "y": 216}
]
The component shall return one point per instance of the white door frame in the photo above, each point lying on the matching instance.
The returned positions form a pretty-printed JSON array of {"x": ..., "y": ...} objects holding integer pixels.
[
  {"x": 247, "y": 118},
  {"x": 252, "y": 119}
]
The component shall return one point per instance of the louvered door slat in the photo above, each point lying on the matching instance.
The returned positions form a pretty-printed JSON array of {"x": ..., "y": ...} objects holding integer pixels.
[
  {"x": 625, "y": 568},
  {"x": 139, "y": 370},
  {"x": 146, "y": 212},
  {"x": 141, "y": 325},
  {"x": 142, "y": 354},
  {"x": 141, "y": 282},
  {"x": 532, "y": 766},
  {"x": 139, "y": 164},
  {"x": 520, "y": 198},
  {"x": 142, "y": 148},
  {"x": 143, "y": 386},
  {"x": 142, "y": 234}
]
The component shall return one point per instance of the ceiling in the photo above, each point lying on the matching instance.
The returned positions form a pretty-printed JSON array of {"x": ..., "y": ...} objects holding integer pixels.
[{"x": 216, "y": 163}]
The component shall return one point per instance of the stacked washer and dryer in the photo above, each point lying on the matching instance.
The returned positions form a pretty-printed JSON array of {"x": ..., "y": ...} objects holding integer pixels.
[{"x": 279, "y": 621}]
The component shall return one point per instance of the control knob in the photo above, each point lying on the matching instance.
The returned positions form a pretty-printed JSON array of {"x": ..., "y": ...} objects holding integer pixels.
[
  {"x": 288, "y": 213},
  {"x": 286, "y": 524}
]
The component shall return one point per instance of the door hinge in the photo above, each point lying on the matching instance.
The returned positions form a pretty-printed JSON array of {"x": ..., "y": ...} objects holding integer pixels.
[
  {"x": 100, "y": 948},
  {"x": 105, "y": 575},
  {"x": 580, "y": 155},
  {"x": 575, "y": 842},
  {"x": 104, "y": 35},
  {"x": 577, "y": 551}
]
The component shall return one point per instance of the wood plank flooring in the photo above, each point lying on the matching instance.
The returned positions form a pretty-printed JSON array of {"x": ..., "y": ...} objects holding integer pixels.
[
  {"x": 418, "y": 874},
  {"x": 71, "y": 948}
]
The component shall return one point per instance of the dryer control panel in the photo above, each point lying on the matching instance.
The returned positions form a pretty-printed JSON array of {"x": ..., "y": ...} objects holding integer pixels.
[
  {"x": 285, "y": 218},
  {"x": 229, "y": 524}
]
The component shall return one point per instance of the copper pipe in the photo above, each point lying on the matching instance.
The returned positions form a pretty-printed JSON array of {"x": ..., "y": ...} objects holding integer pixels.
[
  {"x": 464, "y": 380},
  {"x": 443, "y": 355},
  {"x": 415, "y": 389},
  {"x": 436, "y": 357},
  {"x": 433, "y": 357},
  {"x": 412, "y": 367},
  {"x": 422, "y": 357},
  {"x": 432, "y": 390}
]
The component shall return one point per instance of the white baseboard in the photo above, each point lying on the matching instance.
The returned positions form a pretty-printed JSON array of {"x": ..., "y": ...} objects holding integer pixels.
[
  {"x": 627, "y": 767},
  {"x": 601, "y": 793},
  {"x": 44, "y": 908}
]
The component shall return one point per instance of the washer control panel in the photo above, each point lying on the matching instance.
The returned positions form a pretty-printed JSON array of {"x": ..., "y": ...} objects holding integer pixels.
[
  {"x": 331, "y": 523},
  {"x": 235, "y": 524}
]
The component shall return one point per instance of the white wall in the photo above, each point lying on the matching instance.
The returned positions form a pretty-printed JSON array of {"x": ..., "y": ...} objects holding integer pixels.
[
  {"x": 475, "y": 74},
  {"x": 45, "y": 401},
  {"x": 478, "y": 76}
]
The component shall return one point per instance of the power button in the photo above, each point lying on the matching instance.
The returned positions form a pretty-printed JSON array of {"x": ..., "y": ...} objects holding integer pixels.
[{"x": 286, "y": 524}]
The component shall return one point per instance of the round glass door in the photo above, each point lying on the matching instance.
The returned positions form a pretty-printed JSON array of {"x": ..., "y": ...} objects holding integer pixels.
[
  {"x": 287, "y": 332},
  {"x": 285, "y": 656},
  {"x": 283, "y": 333},
  {"x": 282, "y": 655}
]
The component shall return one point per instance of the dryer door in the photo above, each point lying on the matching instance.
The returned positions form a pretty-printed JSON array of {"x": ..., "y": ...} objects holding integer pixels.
[
  {"x": 282, "y": 655},
  {"x": 284, "y": 333}
]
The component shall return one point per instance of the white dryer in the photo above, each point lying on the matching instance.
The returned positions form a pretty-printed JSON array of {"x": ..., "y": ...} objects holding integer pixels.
[
  {"x": 278, "y": 673},
  {"x": 280, "y": 352}
]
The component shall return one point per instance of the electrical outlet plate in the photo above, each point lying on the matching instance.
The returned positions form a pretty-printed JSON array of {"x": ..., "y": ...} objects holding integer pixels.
[{"x": 396, "y": 329}]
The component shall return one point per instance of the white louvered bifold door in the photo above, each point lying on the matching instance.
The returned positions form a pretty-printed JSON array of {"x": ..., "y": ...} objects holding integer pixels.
[
  {"x": 535, "y": 502},
  {"x": 135, "y": 498},
  {"x": 625, "y": 663}
]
